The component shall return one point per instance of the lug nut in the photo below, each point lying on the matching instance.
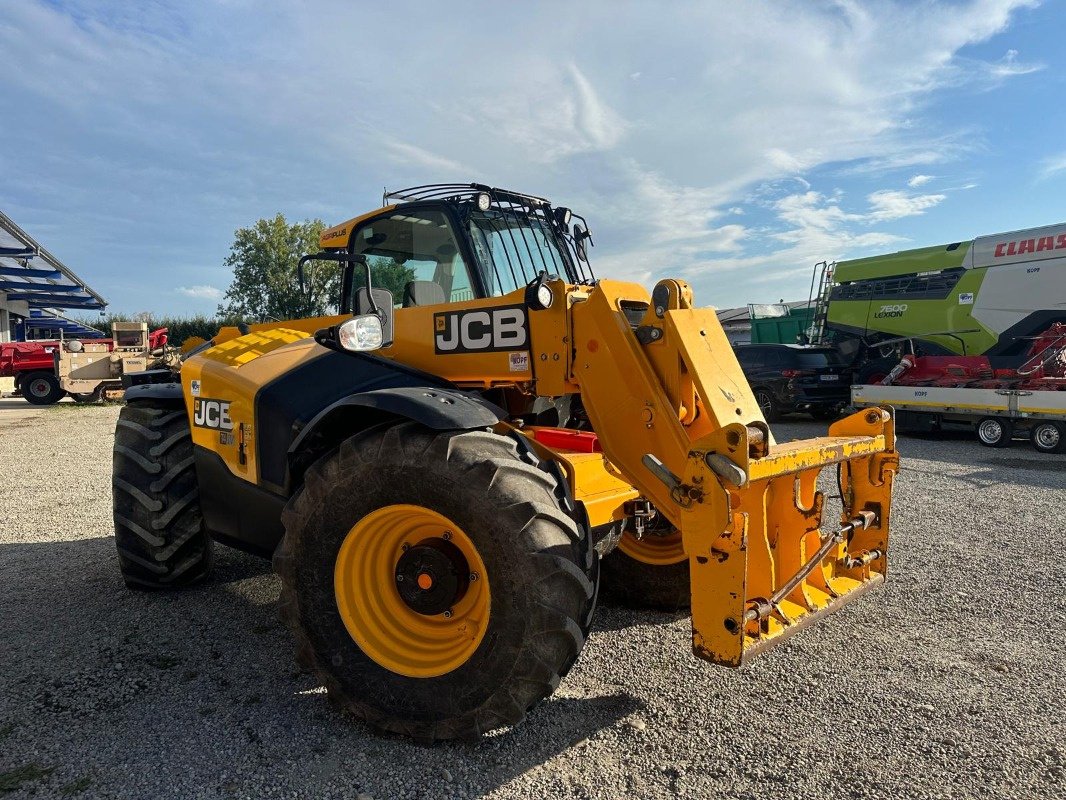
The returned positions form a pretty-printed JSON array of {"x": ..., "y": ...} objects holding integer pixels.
[
  {"x": 473, "y": 577},
  {"x": 448, "y": 614},
  {"x": 447, "y": 536}
]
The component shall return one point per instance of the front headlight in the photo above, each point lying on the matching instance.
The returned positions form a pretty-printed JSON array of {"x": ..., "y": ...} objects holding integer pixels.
[{"x": 361, "y": 333}]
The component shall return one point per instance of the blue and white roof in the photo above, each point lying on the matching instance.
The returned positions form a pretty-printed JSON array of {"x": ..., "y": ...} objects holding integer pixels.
[{"x": 30, "y": 274}]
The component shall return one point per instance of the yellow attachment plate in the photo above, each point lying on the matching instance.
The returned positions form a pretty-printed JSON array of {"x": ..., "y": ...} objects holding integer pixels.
[
  {"x": 775, "y": 527},
  {"x": 387, "y": 629}
]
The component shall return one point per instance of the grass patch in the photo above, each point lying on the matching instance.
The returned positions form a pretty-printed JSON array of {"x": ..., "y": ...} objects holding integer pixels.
[{"x": 14, "y": 778}]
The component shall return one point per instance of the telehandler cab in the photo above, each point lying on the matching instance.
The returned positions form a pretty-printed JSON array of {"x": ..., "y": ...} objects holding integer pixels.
[{"x": 438, "y": 470}]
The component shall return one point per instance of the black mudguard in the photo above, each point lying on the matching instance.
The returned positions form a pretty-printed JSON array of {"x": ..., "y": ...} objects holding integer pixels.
[{"x": 438, "y": 408}]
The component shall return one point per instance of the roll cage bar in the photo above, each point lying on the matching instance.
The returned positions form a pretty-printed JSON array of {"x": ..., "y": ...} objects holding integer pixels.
[{"x": 461, "y": 197}]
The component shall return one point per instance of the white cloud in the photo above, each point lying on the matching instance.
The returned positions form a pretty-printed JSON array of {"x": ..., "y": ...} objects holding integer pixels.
[
  {"x": 889, "y": 204},
  {"x": 201, "y": 292},
  {"x": 185, "y": 132},
  {"x": 1051, "y": 166},
  {"x": 1009, "y": 66},
  {"x": 919, "y": 180},
  {"x": 409, "y": 155}
]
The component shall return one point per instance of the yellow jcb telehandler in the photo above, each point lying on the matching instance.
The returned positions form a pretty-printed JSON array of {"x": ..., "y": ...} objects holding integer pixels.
[{"x": 440, "y": 470}]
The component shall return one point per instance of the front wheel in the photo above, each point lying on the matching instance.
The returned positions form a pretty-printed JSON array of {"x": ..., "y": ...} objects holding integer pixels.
[
  {"x": 433, "y": 581},
  {"x": 995, "y": 432},
  {"x": 159, "y": 529},
  {"x": 1048, "y": 437},
  {"x": 41, "y": 388}
]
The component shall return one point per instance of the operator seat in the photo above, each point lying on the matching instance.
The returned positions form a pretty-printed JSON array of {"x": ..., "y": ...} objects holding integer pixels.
[{"x": 422, "y": 293}]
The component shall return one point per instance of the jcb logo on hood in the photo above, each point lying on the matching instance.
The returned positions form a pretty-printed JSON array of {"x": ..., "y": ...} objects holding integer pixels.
[
  {"x": 481, "y": 331},
  {"x": 212, "y": 414}
]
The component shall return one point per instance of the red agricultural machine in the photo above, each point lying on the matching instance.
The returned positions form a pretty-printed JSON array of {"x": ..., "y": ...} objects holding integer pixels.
[
  {"x": 932, "y": 393},
  {"x": 87, "y": 370},
  {"x": 1044, "y": 368}
]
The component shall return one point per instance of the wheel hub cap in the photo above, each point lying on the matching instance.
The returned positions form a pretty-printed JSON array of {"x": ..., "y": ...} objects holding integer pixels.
[
  {"x": 412, "y": 590},
  {"x": 432, "y": 577}
]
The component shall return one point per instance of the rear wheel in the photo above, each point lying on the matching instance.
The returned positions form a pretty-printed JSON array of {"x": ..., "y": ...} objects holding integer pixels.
[
  {"x": 433, "y": 581},
  {"x": 650, "y": 572},
  {"x": 768, "y": 404},
  {"x": 995, "y": 432},
  {"x": 41, "y": 388},
  {"x": 1048, "y": 437},
  {"x": 159, "y": 530}
]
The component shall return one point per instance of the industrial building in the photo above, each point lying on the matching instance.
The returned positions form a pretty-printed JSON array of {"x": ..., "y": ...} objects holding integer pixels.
[{"x": 36, "y": 288}]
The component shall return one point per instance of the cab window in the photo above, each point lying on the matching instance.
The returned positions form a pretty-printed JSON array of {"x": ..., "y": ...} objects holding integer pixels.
[{"x": 413, "y": 254}]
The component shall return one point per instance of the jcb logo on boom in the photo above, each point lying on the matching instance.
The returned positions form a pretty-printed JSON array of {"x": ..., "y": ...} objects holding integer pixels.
[
  {"x": 481, "y": 331},
  {"x": 212, "y": 414},
  {"x": 891, "y": 311}
]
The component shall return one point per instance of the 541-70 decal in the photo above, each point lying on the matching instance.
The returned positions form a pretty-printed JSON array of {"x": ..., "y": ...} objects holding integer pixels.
[{"x": 489, "y": 330}]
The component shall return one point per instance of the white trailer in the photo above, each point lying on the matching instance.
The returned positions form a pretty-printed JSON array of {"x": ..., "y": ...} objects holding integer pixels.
[{"x": 995, "y": 415}]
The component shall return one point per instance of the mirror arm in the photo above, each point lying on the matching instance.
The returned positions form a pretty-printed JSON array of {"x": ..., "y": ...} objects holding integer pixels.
[{"x": 339, "y": 258}]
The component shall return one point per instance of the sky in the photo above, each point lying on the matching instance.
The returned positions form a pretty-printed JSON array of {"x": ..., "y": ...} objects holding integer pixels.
[{"x": 730, "y": 144}]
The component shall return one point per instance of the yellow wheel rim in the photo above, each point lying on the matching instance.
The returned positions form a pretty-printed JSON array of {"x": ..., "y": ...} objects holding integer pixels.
[
  {"x": 372, "y": 568},
  {"x": 652, "y": 549}
]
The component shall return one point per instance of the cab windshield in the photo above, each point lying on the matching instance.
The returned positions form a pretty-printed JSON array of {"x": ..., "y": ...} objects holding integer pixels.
[{"x": 512, "y": 249}]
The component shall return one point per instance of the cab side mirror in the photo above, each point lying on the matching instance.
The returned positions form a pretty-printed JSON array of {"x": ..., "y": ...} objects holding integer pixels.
[{"x": 581, "y": 239}]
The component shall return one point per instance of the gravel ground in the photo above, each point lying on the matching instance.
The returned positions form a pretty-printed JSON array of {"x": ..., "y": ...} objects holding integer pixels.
[{"x": 946, "y": 683}]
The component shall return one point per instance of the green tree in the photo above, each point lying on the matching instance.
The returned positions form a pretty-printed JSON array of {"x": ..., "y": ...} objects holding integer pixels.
[
  {"x": 265, "y": 285},
  {"x": 385, "y": 273}
]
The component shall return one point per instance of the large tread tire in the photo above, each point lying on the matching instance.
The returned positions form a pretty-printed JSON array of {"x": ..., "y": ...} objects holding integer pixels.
[
  {"x": 542, "y": 570},
  {"x": 41, "y": 388},
  {"x": 159, "y": 528},
  {"x": 636, "y": 584}
]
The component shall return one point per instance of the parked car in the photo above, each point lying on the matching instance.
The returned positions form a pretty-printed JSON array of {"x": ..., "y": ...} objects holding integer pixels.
[{"x": 792, "y": 377}]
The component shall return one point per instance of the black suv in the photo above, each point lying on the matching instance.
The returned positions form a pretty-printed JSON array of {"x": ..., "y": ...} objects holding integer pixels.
[{"x": 792, "y": 377}]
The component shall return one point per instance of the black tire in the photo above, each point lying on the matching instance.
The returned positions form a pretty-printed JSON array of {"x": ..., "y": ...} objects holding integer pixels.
[
  {"x": 159, "y": 528},
  {"x": 541, "y": 566},
  {"x": 1048, "y": 437},
  {"x": 995, "y": 431},
  {"x": 873, "y": 371},
  {"x": 635, "y": 584},
  {"x": 41, "y": 388},
  {"x": 771, "y": 409}
]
